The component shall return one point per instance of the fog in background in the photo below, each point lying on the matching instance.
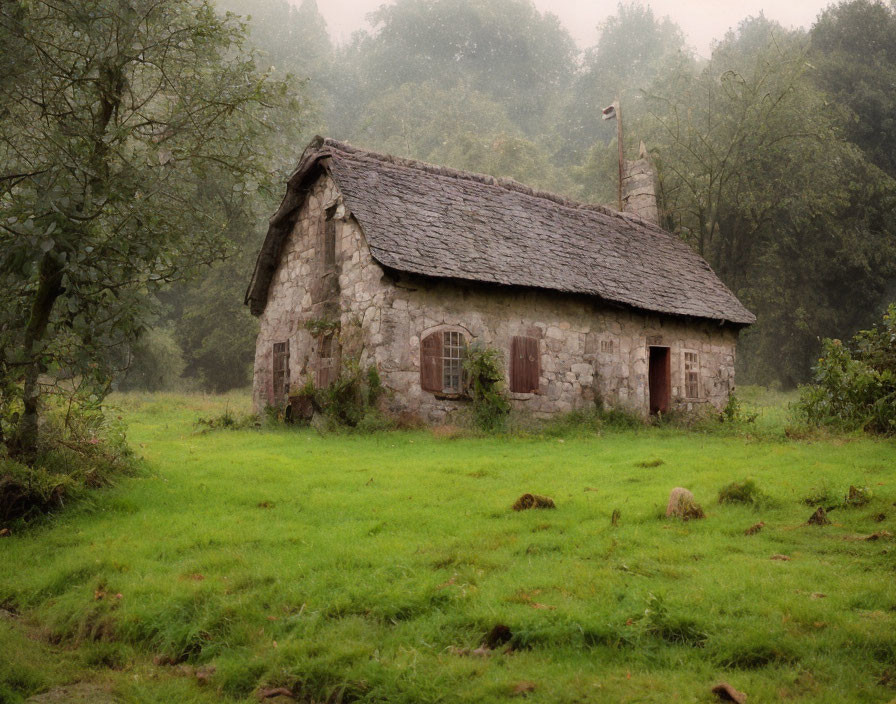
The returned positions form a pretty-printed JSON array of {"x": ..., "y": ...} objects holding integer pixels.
[{"x": 703, "y": 21}]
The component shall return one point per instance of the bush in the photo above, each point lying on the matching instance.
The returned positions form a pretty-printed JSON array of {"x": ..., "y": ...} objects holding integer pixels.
[
  {"x": 80, "y": 448},
  {"x": 485, "y": 386},
  {"x": 734, "y": 414},
  {"x": 745, "y": 492},
  {"x": 349, "y": 401},
  {"x": 156, "y": 363},
  {"x": 854, "y": 387}
]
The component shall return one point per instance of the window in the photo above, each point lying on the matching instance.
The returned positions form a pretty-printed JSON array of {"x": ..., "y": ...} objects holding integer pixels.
[
  {"x": 281, "y": 372},
  {"x": 606, "y": 346},
  {"x": 441, "y": 362},
  {"x": 524, "y": 365},
  {"x": 329, "y": 240},
  {"x": 327, "y": 361},
  {"x": 691, "y": 375}
]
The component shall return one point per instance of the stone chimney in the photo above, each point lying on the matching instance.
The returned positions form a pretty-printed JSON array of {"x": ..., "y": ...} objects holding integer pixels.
[{"x": 639, "y": 188}]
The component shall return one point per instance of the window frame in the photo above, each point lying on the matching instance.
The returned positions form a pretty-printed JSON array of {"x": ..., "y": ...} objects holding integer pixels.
[
  {"x": 328, "y": 360},
  {"x": 690, "y": 374},
  {"x": 280, "y": 376},
  {"x": 450, "y": 345},
  {"x": 328, "y": 240}
]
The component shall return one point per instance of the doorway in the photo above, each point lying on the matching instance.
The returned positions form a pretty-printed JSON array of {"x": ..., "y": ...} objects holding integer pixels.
[{"x": 659, "y": 379}]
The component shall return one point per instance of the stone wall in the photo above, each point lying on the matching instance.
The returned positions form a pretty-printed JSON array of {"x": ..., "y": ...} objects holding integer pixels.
[{"x": 587, "y": 349}]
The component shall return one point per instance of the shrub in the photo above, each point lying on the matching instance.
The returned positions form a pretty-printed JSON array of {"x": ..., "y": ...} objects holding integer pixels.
[
  {"x": 745, "y": 492},
  {"x": 80, "y": 448},
  {"x": 734, "y": 414},
  {"x": 350, "y": 400},
  {"x": 485, "y": 386},
  {"x": 854, "y": 387}
]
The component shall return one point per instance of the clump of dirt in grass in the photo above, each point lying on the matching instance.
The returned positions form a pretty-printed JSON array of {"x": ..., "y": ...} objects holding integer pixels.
[
  {"x": 819, "y": 518},
  {"x": 879, "y": 535},
  {"x": 755, "y": 528},
  {"x": 527, "y": 501},
  {"x": 682, "y": 505},
  {"x": 498, "y": 636},
  {"x": 857, "y": 496},
  {"x": 647, "y": 464},
  {"x": 727, "y": 693}
]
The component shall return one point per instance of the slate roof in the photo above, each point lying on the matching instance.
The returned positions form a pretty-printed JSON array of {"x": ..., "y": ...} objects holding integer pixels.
[{"x": 440, "y": 222}]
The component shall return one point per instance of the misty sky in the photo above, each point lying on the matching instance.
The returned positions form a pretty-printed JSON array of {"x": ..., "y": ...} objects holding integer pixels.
[{"x": 702, "y": 20}]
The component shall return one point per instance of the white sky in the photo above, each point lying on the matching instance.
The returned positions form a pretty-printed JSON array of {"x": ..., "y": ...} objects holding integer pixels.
[{"x": 702, "y": 20}]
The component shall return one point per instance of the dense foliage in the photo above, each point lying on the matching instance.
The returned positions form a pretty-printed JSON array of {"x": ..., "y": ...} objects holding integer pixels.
[
  {"x": 132, "y": 140},
  {"x": 854, "y": 385},
  {"x": 485, "y": 384}
]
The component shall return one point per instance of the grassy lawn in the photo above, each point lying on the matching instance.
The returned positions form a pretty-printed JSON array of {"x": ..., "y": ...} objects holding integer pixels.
[{"x": 367, "y": 568}]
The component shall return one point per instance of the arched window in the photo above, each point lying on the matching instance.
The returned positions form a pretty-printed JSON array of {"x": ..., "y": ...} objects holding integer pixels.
[{"x": 441, "y": 361}]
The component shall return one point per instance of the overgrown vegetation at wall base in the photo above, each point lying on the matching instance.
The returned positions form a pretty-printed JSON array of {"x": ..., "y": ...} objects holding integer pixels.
[
  {"x": 485, "y": 384},
  {"x": 854, "y": 385}
]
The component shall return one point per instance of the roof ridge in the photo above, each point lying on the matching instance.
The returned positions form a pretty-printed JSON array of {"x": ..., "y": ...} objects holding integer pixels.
[{"x": 506, "y": 183}]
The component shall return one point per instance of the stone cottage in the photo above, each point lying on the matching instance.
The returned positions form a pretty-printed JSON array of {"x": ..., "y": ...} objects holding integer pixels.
[{"x": 403, "y": 264}]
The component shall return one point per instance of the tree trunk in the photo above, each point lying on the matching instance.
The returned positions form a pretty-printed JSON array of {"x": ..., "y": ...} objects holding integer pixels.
[{"x": 49, "y": 289}]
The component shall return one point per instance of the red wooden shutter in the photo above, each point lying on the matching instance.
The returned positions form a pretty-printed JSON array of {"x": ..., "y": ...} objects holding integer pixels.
[
  {"x": 525, "y": 369},
  {"x": 431, "y": 362}
]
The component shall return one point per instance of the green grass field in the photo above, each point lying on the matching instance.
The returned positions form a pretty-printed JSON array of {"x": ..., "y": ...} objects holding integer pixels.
[{"x": 369, "y": 567}]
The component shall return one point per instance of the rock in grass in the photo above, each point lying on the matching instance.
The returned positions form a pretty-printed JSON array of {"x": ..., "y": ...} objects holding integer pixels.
[
  {"x": 727, "y": 693},
  {"x": 527, "y": 501},
  {"x": 819, "y": 518},
  {"x": 682, "y": 505}
]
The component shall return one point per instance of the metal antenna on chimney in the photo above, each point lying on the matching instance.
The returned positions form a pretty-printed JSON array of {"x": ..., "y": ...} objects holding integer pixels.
[{"x": 610, "y": 113}]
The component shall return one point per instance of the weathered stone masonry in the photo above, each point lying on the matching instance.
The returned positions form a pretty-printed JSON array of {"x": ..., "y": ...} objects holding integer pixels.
[{"x": 588, "y": 348}]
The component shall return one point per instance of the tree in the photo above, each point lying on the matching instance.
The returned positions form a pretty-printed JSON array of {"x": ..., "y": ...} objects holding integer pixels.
[
  {"x": 755, "y": 174},
  {"x": 503, "y": 49},
  {"x": 854, "y": 53},
  {"x": 127, "y": 145},
  {"x": 634, "y": 48}
]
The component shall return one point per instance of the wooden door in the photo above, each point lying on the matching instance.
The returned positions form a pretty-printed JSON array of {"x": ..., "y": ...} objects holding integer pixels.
[{"x": 659, "y": 377}]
